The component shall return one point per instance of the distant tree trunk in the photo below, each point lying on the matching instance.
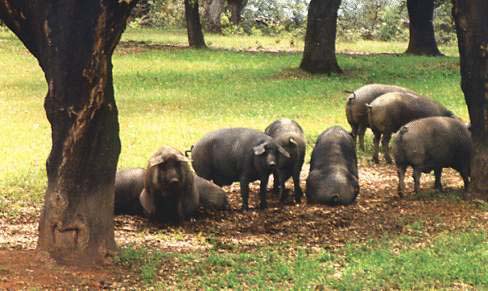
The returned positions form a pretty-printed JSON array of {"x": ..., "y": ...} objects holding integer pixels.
[
  {"x": 193, "y": 25},
  {"x": 236, "y": 7},
  {"x": 214, "y": 11},
  {"x": 319, "y": 55},
  {"x": 422, "y": 37},
  {"x": 74, "y": 41},
  {"x": 471, "y": 18}
]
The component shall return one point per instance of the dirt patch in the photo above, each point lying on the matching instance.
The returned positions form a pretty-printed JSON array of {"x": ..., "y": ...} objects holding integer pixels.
[{"x": 377, "y": 212}]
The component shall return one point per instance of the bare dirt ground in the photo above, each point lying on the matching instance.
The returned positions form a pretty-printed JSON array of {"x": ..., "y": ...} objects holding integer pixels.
[{"x": 378, "y": 211}]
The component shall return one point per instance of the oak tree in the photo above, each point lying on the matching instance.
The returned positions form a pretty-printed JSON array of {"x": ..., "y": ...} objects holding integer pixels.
[{"x": 73, "y": 41}]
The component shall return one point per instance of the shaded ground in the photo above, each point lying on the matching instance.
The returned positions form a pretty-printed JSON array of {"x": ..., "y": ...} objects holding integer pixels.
[{"x": 378, "y": 211}]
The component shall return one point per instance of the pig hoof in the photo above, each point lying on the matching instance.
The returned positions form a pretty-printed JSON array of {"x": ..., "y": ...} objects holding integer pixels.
[
  {"x": 389, "y": 161},
  {"x": 376, "y": 160},
  {"x": 263, "y": 206}
]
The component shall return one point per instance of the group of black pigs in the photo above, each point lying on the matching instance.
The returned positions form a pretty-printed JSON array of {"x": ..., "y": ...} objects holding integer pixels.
[{"x": 428, "y": 137}]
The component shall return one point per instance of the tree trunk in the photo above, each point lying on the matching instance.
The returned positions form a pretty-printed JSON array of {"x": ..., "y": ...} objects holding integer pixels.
[
  {"x": 471, "y": 18},
  {"x": 73, "y": 42},
  {"x": 215, "y": 8},
  {"x": 422, "y": 37},
  {"x": 236, "y": 7},
  {"x": 319, "y": 55},
  {"x": 193, "y": 25}
]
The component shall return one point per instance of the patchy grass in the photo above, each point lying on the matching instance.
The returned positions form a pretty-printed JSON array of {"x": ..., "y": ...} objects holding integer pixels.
[
  {"x": 446, "y": 261},
  {"x": 146, "y": 261}
]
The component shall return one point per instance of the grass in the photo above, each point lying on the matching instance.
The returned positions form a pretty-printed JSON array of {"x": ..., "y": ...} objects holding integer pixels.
[
  {"x": 447, "y": 261},
  {"x": 146, "y": 261}
]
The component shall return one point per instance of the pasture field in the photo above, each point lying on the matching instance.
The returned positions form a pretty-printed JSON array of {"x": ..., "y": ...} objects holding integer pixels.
[{"x": 170, "y": 95}]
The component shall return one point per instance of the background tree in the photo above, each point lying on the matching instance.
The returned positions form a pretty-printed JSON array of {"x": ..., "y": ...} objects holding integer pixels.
[
  {"x": 213, "y": 12},
  {"x": 471, "y": 18},
  {"x": 235, "y": 7},
  {"x": 193, "y": 24},
  {"x": 422, "y": 38},
  {"x": 319, "y": 55},
  {"x": 73, "y": 42}
]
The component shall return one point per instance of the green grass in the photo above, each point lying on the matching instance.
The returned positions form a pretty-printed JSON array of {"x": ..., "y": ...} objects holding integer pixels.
[
  {"x": 446, "y": 261},
  {"x": 174, "y": 96},
  {"x": 147, "y": 262},
  {"x": 283, "y": 42}
]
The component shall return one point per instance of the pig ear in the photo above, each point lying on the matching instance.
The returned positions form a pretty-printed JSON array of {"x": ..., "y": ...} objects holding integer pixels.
[
  {"x": 156, "y": 160},
  {"x": 283, "y": 152},
  {"x": 259, "y": 149},
  {"x": 293, "y": 141},
  {"x": 147, "y": 202}
]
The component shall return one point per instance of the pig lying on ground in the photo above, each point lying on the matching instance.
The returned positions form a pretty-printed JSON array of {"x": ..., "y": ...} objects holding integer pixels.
[
  {"x": 288, "y": 134},
  {"x": 333, "y": 177},
  {"x": 387, "y": 113},
  {"x": 357, "y": 112},
  {"x": 128, "y": 186},
  {"x": 238, "y": 154},
  {"x": 430, "y": 144}
]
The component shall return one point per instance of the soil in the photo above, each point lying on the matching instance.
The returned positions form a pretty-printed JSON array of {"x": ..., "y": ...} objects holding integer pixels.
[{"x": 378, "y": 212}]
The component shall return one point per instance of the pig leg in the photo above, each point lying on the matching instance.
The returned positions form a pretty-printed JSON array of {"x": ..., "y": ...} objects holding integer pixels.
[
  {"x": 283, "y": 193},
  {"x": 361, "y": 132},
  {"x": 296, "y": 184},
  {"x": 245, "y": 193},
  {"x": 376, "y": 146},
  {"x": 465, "y": 174},
  {"x": 384, "y": 145},
  {"x": 263, "y": 188},
  {"x": 438, "y": 183},
  {"x": 401, "y": 180},
  {"x": 354, "y": 133},
  {"x": 416, "y": 179}
]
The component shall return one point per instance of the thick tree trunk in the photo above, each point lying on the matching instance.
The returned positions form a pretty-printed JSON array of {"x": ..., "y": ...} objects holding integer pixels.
[
  {"x": 73, "y": 42},
  {"x": 422, "y": 37},
  {"x": 236, "y": 7},
  {"x": 193, "y": 25},
  {"x": 471, "y": 18},
  {"x": 319, "y": 55},
  {"x": 215, "y": 8}
]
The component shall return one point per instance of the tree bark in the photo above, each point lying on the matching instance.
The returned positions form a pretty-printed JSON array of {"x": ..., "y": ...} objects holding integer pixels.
[
  {"x": 193, "y": 25},
  {"x": 236, "y": 7},
  {"x": 422, "y": 37},
  {"x": 319, "y": 55},
  {"x": 74, "y": 42},
  {"x": 215, "y": 8},
  {"x": 471, "y": 17}
]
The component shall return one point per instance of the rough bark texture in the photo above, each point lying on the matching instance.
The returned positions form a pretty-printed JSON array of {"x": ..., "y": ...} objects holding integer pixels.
[
  {"x": 471, "y": 18},
  {"x": 215, "y": 8},
  {"x": 235, "y": 7},
  {"x": 319, "y": 55},
  {"x": 422, "y": 37},
  {"x": 193, "y": 25},
  {"x": 73, "y": 42}
]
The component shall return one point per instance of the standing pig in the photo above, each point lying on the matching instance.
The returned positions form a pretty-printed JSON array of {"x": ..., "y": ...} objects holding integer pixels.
[
  {"x": 128, "y": 186},
  {"x": 238, "y": 154},
  {"x": 430, "y": 144},
  {"x": 333, "y": 177},
  {"x": 288, "y": 134},
  {"x": 170, "y": 193},
  {"x": 356, "y": 110},
  {"x": 387, "y": 113}
]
